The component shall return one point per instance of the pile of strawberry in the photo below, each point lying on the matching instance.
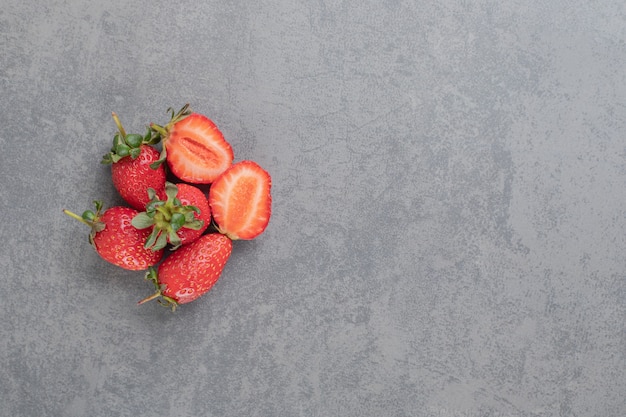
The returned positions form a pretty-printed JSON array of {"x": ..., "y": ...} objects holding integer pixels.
[{"x": 169, "y": 207}]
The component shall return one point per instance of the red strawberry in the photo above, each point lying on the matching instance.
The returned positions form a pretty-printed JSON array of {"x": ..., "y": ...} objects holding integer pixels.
[
  {"x": 240, "y": 200},
  {"x": 191, "y": 271},
  {"x": 116, "y": 240},
  {"x": 194, "y": 147},
  {"x": 131, "y": 158},
  {"x": 179, "y": 220}
]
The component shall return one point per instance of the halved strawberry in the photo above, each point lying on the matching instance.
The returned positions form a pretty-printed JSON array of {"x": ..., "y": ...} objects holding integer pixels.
[
  {"x": 240, "y": 200},
  {"x": 194, "y": 147}
]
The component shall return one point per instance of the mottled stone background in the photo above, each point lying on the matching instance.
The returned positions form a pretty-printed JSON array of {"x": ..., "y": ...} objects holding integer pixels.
[{"x": 449, "y": 226}]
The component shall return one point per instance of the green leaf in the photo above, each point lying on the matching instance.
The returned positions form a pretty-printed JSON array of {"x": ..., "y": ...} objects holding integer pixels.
[
  {"x": 134, "y": 140},
  {"x": 142, "y": 221},
  {"x": 174, "y": 240},
  {"x": 189, "y": 216},
  {"x": 152, "y": 276},
  {"x": 151, "y": 207},
  {"x": 156, "y": 138},
  {"x": 89, "y": 215},
  {"x": 171, "y": 190},
  {"x": 151, "y": 137},
  {"x": 157, "y": 164},
  {"x": 106, "y": 159},
  {"x": 194, "y": 225},
  {"x": 161, "y": 159},
  {"x": 134, "y": 153},
  {"x": 161, "y": 242},
  {"x": 152, "y": 239},
  {"x": 117, "y": 139},
  {"x": 99, "y": 204},
  {"x": 122, "y": 150},
  {"x": 178, "y": 220}
]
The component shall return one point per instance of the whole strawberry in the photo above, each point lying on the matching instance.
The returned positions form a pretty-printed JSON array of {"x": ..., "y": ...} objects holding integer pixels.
[
  {"x": 115, "y": 239},
  {"x": 191, "y": 271},
  {"x": 131, "y": 158},
  {"x": 178, "y": 220}
]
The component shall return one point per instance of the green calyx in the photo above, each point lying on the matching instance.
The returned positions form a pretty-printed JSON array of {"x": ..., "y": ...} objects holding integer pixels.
[
  {"x": 128, "y": 144},
  {"x": 91, "y": 219},
  {"x": 166, "y": 218},
  {"x": 161, "y": 132},
  {"x": 163, "y": 300}
]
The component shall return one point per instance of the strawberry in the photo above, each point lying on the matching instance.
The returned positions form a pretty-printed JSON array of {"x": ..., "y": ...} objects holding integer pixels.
[
  {"x": 179, "y": 220},
  {"x": 115, "y": 239},
  {"x": 131, "y": 158},
  {"x": 240, "y": 200},
  {"x": 191, "y": 271},
  {"x": 194, "y": 147}
]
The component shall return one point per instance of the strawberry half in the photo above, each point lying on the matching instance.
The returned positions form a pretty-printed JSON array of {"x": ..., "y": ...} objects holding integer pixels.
[
  {"x": 131, "y": 159},
  {"x": 194, "y": 147},
  {"x": 191, "y": 271},
  {"x": 240, "y": 200},
  {"x": 116, "y": 240},
  {"x": 179, "y": 220}
]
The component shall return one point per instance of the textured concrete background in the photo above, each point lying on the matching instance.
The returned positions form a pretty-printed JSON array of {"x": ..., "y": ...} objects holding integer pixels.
[{"x": 449, "y": 228}]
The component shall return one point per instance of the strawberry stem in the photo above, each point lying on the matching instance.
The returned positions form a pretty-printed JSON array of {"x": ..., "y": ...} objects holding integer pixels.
[
  {"x": 150, "y": 298},
  {"x": 119, "y": 124},
  {"x": 77, "y": 217},
  {"x": 91, "y": 219},
  {"x": 158, "y": 129},
  {"x": 163, "y": 300}
]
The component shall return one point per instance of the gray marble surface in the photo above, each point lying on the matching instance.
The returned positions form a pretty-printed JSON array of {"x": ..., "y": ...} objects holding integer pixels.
[{"x": 449, "y": 227}]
